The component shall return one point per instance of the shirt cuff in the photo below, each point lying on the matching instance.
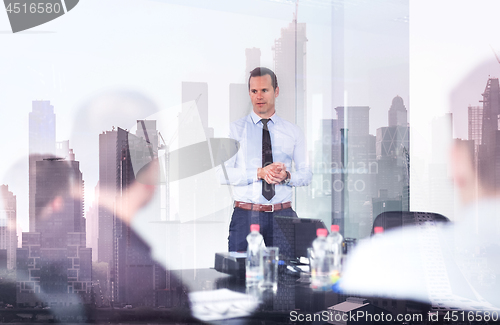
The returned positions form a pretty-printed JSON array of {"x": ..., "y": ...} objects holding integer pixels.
[
  {"x": 252, "y": 175},
  {"x": 290, "y": 183}
]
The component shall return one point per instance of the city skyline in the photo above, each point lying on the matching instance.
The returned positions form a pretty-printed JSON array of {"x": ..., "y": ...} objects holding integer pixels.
[
  {"x": 47, "y": 79},
  {"x": 198, "y": 91},
  {"x": 163, "y": 85},
  {"x": 397, "y": 103},
  {"x": 93, "y": 79},
  {"x": 316, "y": 97},
  {"x": 120, "y": 152}
]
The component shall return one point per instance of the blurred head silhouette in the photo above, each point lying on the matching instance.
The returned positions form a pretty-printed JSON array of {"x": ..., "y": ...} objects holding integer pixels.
[{"x": 475, "y": 163}]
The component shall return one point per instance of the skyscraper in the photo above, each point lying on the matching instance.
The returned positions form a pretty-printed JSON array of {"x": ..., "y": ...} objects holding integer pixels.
[
  {"x": 42, "y": 128},
  {"x": 109, "y": 157},
  {"x": 53, "y": 175},
  {"x": 488, "y": 161},
  {"x": 54, "y": 266},
  {"x": 359, "y": 169},
  {"x": 398, "y": 115},
  {"x": 441, "y": 189},
  {"x": 198, "y": 91},
  {"x": 475, "y": 127},
  {"x": 290, "y": 68},
  {"x": 64, "y": 151},
  {"x": 42, "y": 143},
  {"x": 491, "y": 109},
  {"x": 131, "y": 269},
  {"x": 252, "y": 60},
  {"x": 392, "y": 147},
  {"x": 239, "y": 100},
  {"x": 115, "y": 173},
  {"x": 338, "y": 53},
  {"x": 317, "y": 200},
  {"x": 332, "y": 149},
  {"x": 92, "y": 229},
  {"x": 358, "y": 119},
  {"x": 8, "y": 235}
]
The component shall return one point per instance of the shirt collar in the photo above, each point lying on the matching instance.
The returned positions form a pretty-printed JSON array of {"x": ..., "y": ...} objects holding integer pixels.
[{"x": 256, "y": 118}]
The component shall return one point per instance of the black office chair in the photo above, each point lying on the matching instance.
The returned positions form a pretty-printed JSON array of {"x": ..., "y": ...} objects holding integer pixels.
[{"x": 398, "y": 219}]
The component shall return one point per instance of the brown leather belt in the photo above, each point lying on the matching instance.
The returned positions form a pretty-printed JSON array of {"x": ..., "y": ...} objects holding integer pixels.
[{"x": 262, "y": 207}]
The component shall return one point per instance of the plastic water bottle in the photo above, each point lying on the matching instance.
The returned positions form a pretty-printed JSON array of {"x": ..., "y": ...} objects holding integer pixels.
[
  {"x": 254, "y": 269},
  {"x": 335, "y": 240},
  {"x": 321, "y": 262}
]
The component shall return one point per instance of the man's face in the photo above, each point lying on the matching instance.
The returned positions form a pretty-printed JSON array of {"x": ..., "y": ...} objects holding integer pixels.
[{"x": 263, "y": 95}]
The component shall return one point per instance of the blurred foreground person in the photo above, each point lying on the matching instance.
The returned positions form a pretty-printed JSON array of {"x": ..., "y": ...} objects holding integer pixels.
[
  {"x": 455, "y": 266},
  {"x": 54, "y": 266}
]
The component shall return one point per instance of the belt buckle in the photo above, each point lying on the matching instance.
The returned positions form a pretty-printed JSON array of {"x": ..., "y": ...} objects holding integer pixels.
[{"x": 272, "y": 206}]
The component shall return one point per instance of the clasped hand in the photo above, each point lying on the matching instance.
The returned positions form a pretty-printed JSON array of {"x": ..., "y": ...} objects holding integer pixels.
[{"x": 274, "y": 173}]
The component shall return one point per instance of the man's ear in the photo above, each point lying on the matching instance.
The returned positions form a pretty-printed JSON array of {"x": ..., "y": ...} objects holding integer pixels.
[{"x": 276, "y": 92}]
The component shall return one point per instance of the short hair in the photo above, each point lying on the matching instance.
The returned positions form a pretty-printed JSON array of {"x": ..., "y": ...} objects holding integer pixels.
[{"x": 261, "y": 71}]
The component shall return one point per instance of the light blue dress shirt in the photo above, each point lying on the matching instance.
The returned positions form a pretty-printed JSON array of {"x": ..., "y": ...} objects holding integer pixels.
[{"x": 288, "y": 145}]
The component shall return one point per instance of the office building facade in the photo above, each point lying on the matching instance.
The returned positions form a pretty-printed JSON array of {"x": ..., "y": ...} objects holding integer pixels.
[
  {"x": 54, "y": 266},
  {"x": 8, "y": 228},
  {"x": 290, "y": 67},
  {"x": 42, "y": 144},
  {"x": 134, "y": 277},
  {"x": 356, "y": 152}
]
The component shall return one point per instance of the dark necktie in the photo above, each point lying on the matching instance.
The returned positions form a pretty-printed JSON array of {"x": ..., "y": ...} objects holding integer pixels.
[{"x": 267, "y": 159}]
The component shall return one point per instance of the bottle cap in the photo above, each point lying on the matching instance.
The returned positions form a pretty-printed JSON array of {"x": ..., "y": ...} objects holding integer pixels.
[
  {"x": 321, "y": 232},
  {"x": 378, "y": 230},
  {"x": 255, "y": 228},
  {"x": 335, "y": 228}
]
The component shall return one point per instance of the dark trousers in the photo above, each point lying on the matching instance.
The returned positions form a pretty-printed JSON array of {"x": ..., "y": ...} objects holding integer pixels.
[{"x": 240, "y": 226}]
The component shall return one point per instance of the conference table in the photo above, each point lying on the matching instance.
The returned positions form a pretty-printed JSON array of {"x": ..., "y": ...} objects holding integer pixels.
[{"x": 295, "y": 302}]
